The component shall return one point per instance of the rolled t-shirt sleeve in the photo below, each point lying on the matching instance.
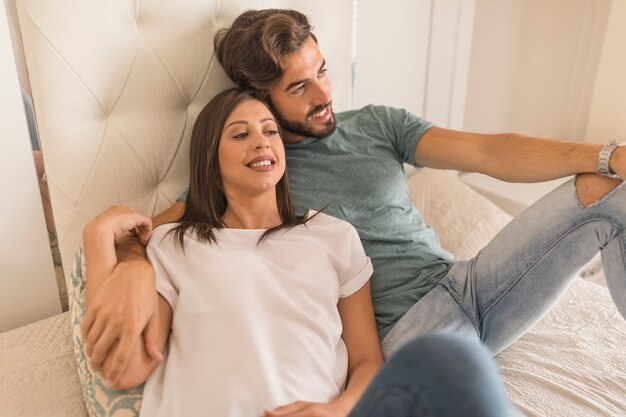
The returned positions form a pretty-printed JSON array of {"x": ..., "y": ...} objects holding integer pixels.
[
  {"x": 406, "y": 131},
  {"x": 163, "y": 280},
  {"x": 359, "y": 269}
]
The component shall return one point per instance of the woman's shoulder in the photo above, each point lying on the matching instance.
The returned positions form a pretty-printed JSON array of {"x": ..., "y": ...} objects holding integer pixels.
[
  {"x": 161, "y": 232},
  {"x": 319, "y": 218}
]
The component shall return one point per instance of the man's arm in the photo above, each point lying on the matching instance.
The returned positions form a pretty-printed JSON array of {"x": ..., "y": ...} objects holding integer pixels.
[
  {"x": 171, "y": 215},
  {"x": 511, "y": 157},
  {"x": 129, "y": 248},
  {"x": 122, "y": 303}
]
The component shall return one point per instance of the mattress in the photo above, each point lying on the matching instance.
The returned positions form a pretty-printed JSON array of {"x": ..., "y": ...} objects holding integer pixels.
[{"x": 38, "y": 371}]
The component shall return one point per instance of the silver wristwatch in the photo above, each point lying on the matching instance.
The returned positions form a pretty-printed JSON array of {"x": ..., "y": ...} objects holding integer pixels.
[{"x": 605, "y": 156}]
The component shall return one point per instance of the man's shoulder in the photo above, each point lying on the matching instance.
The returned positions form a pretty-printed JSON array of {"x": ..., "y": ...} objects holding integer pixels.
[
  {"x": 372, "y": 118},
  {"x": 365, "y": 111}
]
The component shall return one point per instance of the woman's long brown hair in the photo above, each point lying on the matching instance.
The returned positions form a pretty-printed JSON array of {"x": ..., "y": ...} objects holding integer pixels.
[{"x": 206, "y": 201}]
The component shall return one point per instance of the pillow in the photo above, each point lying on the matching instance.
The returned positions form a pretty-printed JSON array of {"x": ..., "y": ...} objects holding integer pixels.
[
  {"x": 100, "y": 400},
  {"x": 464, "y": 220}
]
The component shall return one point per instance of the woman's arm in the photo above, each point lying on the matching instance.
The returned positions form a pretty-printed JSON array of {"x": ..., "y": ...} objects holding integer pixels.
[
  {"x": 364, "y": 358},
  {"x": 361, "y": 339}
]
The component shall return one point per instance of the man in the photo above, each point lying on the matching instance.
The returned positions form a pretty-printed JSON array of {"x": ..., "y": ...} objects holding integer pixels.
[{"x": 351, "y": 162}]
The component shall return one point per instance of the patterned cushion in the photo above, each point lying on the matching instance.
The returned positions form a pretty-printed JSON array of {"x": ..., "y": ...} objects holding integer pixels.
[{"x": 99, "y": 399}]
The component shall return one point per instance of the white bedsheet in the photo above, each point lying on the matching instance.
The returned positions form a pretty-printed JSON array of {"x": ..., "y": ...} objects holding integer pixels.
[{"x": 573, "y": 363}]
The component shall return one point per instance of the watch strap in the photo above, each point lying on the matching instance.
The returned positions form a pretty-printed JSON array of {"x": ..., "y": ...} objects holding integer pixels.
[{"x": 604, "y": 157}]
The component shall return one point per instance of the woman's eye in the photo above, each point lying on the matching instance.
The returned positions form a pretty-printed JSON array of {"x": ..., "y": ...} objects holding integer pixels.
[
  {"x": 240, "y": 135},
  {"x": 271, "y": 132},
  {"x": 322, "y": 73}
]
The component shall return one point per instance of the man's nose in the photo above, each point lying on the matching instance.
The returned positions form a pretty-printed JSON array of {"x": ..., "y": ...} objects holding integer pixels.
[{"x": 321, "y": 91}]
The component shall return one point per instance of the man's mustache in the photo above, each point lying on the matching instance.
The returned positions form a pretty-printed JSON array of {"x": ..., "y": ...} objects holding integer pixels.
[{"x": 319, "y": 108}]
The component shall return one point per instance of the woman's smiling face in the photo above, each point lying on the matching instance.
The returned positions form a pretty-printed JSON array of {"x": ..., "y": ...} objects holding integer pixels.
[{"x": 251, "y": 153}]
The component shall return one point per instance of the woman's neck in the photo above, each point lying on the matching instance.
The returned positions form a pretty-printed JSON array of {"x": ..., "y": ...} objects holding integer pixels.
[{"x": 251, "y": 213}]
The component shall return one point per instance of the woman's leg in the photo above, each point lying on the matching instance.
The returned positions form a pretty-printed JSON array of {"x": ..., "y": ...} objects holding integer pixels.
[{"x": 435, "y": 375}]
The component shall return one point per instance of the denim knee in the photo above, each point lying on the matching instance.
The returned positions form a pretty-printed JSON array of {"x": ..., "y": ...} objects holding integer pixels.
[{"x": 457, "y": 374}]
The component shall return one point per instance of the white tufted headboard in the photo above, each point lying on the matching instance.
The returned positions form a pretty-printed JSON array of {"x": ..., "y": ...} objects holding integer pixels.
[{"x": 117, "y": 86}]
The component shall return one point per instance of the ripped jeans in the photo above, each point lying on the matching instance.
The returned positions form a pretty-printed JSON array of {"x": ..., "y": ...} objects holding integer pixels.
[{"x": 517, "y": 278}]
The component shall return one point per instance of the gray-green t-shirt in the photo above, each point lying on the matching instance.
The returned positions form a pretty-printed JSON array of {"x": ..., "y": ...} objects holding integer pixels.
[{"x": 358, "y": 173}]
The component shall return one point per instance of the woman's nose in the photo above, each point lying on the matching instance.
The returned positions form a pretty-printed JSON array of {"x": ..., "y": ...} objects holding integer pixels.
[{"x": 261, "y": 141}]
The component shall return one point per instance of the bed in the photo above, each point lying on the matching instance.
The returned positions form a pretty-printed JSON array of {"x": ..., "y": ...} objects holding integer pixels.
[
  {"x": 116, "y": 88},
  {"x": 571, "y": 364}
]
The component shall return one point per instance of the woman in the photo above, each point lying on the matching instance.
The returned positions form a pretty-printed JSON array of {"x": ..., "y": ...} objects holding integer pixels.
[{"x": 270, "y": 314}]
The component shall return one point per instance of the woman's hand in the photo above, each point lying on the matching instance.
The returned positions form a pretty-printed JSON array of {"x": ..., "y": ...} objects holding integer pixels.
[{"x": 307, "y": 409}]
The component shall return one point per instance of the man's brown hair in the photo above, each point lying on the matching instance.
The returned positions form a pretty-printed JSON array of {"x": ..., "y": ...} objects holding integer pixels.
[{"x": 252, "y": 50}]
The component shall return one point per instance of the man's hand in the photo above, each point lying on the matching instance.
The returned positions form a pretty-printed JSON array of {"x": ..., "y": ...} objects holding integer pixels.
[
  {"x": 116, "y": 221},
  {"x": 307, "y": 409},
  {"x": 124, "y": 307}
]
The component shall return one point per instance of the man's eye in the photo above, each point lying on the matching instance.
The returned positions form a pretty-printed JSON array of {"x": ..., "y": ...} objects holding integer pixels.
[{"x": 299, "y": 89}]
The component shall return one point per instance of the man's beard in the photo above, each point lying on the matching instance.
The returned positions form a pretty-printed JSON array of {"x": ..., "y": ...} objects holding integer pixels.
[{"x": 302, "y": 129}]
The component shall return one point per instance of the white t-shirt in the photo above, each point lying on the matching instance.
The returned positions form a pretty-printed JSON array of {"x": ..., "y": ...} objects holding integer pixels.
[{"x": 254, "y": 326}]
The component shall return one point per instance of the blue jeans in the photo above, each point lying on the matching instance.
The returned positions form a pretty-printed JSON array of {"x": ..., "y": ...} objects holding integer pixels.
[
  {"x": 515, "y": 280},
  {"x": 436, "y": 375}
]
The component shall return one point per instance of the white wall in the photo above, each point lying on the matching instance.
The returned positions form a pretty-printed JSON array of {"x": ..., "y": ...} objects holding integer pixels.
[
  {"x": 392, "y": 49},
  {"x": 414, "y": 54},
  {"x": 533, "y": 66},
  {"x": 607, "y": 118},
  {"x": 27, "y": 278}
]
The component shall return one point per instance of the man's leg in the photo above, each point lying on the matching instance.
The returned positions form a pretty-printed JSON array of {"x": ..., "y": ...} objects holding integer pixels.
[
  {"x": 435, "y": 375},
  {"x": 515, "y": 280}
]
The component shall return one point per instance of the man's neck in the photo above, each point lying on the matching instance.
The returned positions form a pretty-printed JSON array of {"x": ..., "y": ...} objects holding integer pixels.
[{"x": 289, "y": 137}]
